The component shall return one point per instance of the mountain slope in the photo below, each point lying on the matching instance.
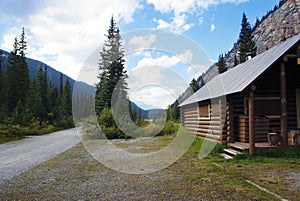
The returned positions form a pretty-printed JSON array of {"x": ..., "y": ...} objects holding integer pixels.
[{"x": 52, "y": 74}]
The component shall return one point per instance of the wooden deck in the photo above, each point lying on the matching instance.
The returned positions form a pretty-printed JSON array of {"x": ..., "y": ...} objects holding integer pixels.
[{"x": 245, "y": 146}]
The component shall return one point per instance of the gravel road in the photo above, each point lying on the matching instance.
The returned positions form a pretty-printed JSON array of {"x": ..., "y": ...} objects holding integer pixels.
[{"x": 19, "y": 156}]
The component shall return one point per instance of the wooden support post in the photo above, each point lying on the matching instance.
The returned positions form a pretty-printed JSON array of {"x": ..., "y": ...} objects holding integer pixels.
[
  {"x": 251, "y": 122},
  {"x": 283, "y": 128},
  {"x": 229, "y": 119}
]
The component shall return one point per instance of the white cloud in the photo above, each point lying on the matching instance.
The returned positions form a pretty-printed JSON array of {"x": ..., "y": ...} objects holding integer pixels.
[
  {"x": 177, "y": 25},
  {"x": 212, "y": 27},
  {"x": 201, "y": 20},
  {"x": 187, "y": 56},
  {"x": 163, "y": 61},
  {"x": 140, "y": 42},
  {"x": 155, "y": 86},
  {"x": 191, "y": 6},
  {"x": 65, "y": 33},
  {"x": 181, "y": 8},
  {"x": 148, "y": 96}
]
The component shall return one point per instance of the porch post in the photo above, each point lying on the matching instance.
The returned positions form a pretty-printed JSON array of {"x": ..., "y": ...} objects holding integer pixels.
[
  {"x": 283, "y": 132},
  {"x": 251, "y": 121}
]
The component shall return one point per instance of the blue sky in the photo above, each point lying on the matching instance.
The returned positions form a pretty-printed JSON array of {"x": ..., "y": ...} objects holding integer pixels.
[{"x": 64, "y": 34}]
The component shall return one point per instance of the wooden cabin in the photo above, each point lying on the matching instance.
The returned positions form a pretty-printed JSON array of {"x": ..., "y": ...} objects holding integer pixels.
[{"x": 251, "y": 100}]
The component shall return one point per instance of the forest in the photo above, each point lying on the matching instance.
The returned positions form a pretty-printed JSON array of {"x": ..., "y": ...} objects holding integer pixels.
[{"x": 31, "y": 106}]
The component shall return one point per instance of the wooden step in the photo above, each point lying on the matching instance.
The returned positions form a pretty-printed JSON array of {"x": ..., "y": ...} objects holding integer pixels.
[
  {"x": 232, "y": 152},
  {"x": 239, "y": 147},
  {"x": 227, "y": 157}
]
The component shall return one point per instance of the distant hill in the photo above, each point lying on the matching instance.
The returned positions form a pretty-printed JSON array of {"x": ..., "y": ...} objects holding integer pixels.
[
  {"x": 52, "y": 74},
  {"x": 152, "y": 114}
]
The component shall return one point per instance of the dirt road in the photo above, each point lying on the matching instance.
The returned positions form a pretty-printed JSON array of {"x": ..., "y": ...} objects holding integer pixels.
[{"x": 19, "y": 156}]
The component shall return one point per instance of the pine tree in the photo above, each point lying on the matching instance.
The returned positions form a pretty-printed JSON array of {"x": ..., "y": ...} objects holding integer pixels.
[
  {"x": 235, "y": 62},
  {"x": 61, "y": 84},
  {"x": 67, "y": 99},
  {"x": 53, "y": 102},
  {"x": 194, "y": 85},
  {"x": 22, "y": 70},
  {"x": 111, "y": 68},
  {"x": 38, "y": 99},
  {"x": 11, "y": 73},
  {"x": 222, "y": 67},
  {"x": 247, "y": 46},
  {"x": 17, "y": 74},
  {"x": 133, "y": 112},
  {"x": 176, "y": 110}
]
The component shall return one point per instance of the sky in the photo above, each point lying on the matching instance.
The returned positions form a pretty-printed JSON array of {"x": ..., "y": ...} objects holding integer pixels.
[{"x": 173, "y": 40}]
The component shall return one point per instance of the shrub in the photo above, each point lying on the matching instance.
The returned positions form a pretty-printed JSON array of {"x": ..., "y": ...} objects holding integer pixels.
[
  {"x": 109, "y": 127},
  {"x": 170, "y": 128}
]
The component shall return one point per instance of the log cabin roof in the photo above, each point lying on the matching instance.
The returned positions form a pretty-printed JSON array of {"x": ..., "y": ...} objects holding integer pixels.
[{"x": 240, "y": 77}]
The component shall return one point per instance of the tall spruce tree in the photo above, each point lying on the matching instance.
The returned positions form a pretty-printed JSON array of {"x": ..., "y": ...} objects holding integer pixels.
[
  {"x": 61, "y": 84},
  {"x": 53, "y": 101},
  {"x": 11, "y": 73},
  {"x": 22, "y": 70},
  {"x": 194, "y": 85},
  {"x": 37, "y": 101},
  {"x": 17, "y": 74},
  {"x": 247, "y": 46},
  {"x": 111, "y": 69},
  {"x": 67, "y": 99},
  {"x": 222, "y": 67}
]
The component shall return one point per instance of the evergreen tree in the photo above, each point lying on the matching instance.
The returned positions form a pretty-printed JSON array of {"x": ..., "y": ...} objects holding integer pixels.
[
  {"x": 37, "y": 101},
  {"x": 67, "y": 99},
  {"x": 53, "y": 102},
  {"x": 111, "y": 68},
  {"x": 222, "y": 67},
  {"x": 194, "y": 85},
  {"x": 176, "y": 110},
  {"x": 139, "y": 116},
  {"x": 247, "y": 46},
  {"x": 61, "y": 84},
  {"x": 17, "y": 80},
  {"x": 235, "y": 62},
  {"x": 22, "y": 76},
  {"x": 11, "y": 73},
  {"x": 133, "y": 112}
]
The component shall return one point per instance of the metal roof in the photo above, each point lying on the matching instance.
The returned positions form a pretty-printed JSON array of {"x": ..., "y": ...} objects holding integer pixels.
[{"x": 238, "y": 78}]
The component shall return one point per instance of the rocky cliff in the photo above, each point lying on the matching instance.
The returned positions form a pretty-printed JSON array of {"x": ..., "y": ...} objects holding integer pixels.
[{"x": 276, "y": 27}]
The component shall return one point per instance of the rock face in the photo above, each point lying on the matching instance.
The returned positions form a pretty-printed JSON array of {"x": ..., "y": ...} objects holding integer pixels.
[{"x": 278, "y": 26}]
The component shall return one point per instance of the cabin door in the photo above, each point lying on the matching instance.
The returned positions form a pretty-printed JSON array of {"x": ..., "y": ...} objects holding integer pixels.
[{"x": 298, "y": 106}]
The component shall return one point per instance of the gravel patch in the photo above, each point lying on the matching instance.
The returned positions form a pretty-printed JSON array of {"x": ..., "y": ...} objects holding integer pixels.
[{"x": 76, "y": 175}]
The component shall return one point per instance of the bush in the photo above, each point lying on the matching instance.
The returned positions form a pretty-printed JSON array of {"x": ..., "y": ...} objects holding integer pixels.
[
  {"x": 170, "y": 128},
  {"x": 64, "y": 123},
  {"x": 109, "y": 127}
]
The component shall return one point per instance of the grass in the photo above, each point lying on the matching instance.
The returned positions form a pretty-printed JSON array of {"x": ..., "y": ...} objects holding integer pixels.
[
  {"x": 189, "y": 178},
  {"x": 10, "y": 139}
]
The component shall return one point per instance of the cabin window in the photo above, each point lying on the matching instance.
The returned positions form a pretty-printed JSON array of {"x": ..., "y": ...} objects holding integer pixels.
[
  {"x": 204, "y": 111},
  {"x": 268, "y": 106}
]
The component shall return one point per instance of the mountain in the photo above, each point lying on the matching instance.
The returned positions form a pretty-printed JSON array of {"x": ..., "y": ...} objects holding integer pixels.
[
  {"x": 52, "y": 74},
  {"x": 82, "y": 89},
  {"x": 275, "y": 27},
  {"x": 151, "y": 114}
]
